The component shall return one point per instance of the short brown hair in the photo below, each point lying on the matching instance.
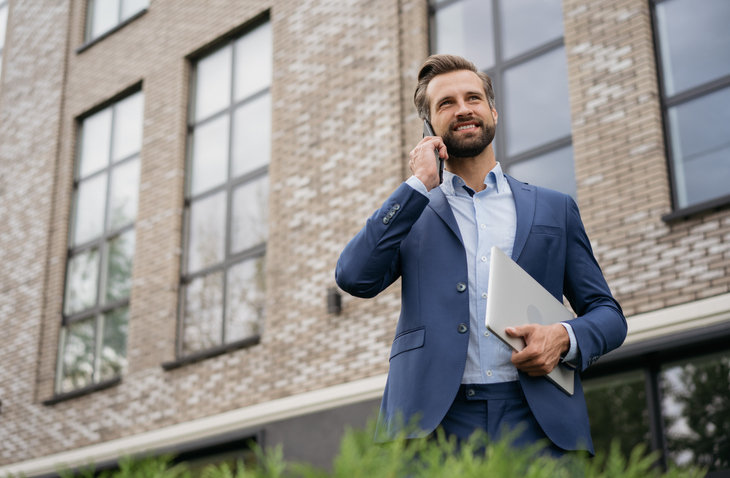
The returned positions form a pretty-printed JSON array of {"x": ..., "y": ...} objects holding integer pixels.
[{"x": 437, "y": 65}]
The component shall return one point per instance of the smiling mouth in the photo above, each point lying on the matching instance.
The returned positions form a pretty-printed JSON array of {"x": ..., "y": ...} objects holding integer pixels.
[{"x": 466, "y": 127}]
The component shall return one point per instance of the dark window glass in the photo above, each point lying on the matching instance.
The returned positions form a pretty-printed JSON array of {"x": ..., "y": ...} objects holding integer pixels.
[
  {"x": 696, "y": 410},
  {"x": 552, "y": 170},
  {"x": 617, "y": 411},
  {"x": 227, "y": 199},
  {"x": 527, "y": 24}
]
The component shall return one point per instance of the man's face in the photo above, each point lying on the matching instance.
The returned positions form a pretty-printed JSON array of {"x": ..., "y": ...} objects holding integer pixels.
[{"x": 460, "y": 113}]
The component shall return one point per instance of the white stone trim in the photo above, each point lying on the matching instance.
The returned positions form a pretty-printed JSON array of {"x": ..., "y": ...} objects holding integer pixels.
[
  {"x": 678, "y": 318},
  {"x": 240, "y": 419}
]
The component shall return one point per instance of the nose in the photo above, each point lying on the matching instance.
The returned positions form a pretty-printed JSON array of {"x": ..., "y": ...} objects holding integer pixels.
[{"x": 464, "y": 109}]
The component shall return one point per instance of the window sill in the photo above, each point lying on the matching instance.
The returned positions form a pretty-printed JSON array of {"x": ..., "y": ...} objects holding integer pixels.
[
  {"x": 62, "y": 397},
  {"x": 707, "y": 206},
  {"x": 115, "y": 28},
  {"x": 210, "y": 353}
]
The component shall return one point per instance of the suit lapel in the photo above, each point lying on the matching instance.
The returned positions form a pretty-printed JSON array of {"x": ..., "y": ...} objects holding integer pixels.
[
  {"x": 525, "y": 197},
  {"x": 440, "y": 205}
]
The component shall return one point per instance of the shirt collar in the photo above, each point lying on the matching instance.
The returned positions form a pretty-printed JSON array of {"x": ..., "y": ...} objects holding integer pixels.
[{"x": 453, "y": 185}]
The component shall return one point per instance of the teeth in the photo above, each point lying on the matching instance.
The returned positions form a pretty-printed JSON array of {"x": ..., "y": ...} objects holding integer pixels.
[{"x": 469, "y": 126}]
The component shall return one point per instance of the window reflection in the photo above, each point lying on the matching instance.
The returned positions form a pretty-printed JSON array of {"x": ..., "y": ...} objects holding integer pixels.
[
  {"x": 254, "y": 62},
  {"x": 536, "y": 103},
  {"x": 210, "y": 155},
  {"x": 207, "y": 232},
  {"x": 78, "y": 355},
  {"x": 701, "y": 148},
  {"x": 696, "y": 411},
  {"x": 553, "y": 170},
  {"x": 104, "y": 15},
  {"x": 245, "y": 305},
  {"x": 123, "y": 194},
  {"x": 114, "y": 344},
  {"x": 617, "y": 411},
  {"x": 694, "y": 38},
  {"x": 527, "y": 24},
  {"x": 252, "y": 145},
  {"x": 119, "y": 267},
  {"x": 213, "y": 83},
  {"x": 250, "y": 214},
  {"x": 465, "y": 29},
  {"x": 203, "y": 327}
]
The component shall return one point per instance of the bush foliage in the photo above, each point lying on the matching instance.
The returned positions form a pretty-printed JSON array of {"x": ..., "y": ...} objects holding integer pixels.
[{"x": 360, "y": 457}]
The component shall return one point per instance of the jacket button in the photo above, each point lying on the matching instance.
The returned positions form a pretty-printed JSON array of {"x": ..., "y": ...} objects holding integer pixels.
[
  {"x": 461, "y": 287},
  {"x": 462, "y": 328}
]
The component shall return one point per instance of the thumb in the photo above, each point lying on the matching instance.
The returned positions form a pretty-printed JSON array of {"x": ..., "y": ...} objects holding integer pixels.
[{"x": 514, "y": 331}]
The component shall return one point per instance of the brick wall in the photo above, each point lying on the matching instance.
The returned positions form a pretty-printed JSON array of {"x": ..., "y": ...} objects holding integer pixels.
[{"x": 342, "y": 123}]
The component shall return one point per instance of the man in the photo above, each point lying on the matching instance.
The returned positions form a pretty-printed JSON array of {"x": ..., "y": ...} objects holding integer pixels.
[{"x": 446, "y": 369}]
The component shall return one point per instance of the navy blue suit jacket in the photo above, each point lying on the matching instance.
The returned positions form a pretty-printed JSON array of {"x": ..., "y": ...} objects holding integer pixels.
[{"x": 417, "y": 238}]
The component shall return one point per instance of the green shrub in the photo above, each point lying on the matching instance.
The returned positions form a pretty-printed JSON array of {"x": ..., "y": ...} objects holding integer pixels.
[{"x": 438, "y": 457}]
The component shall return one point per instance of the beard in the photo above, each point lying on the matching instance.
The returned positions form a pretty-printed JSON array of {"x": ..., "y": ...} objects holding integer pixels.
[{"x": 469, "y": 147}]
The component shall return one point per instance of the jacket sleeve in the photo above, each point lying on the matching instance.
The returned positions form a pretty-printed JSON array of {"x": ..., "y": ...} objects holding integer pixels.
[
  {"x": 600, "y": 325},
  {"x": 371, "y": 260}
]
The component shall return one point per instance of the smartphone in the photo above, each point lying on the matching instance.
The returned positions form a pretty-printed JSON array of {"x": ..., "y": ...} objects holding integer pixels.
[{"x": 428, "y": 131}]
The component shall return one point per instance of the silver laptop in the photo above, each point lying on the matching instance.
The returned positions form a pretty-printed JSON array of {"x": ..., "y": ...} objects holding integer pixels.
[{"x": 515, "y": 299}]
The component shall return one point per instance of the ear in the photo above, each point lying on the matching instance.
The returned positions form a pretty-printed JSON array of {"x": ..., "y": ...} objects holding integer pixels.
[{"x": 495, "y": 115}]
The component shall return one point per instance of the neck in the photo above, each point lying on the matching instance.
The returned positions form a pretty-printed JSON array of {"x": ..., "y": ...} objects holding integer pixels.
[{"x": 473, "y": 170}]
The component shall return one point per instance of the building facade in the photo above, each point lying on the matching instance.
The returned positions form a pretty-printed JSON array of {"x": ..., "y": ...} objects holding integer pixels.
[{"x": 178, "y": 178}]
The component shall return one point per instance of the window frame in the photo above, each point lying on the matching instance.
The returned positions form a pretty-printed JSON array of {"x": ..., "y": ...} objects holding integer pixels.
[
  {"x": 89, "y": 40},
  {"x": 228, "y": 187},
  {"x": 100, "y": 243},
  {"x": 497, "y": 73},
  {"x": 669, "y": 101}
]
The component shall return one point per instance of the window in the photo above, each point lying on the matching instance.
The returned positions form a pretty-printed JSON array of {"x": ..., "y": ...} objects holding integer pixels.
[
  {"x": 99, "y": 268},
  {"x": 519, "y": 43},
  {"x": 103, "y": 16},
  {"x": 226, "y": 211},
  {"x": 3, "y": 28},
  {"x": 694, "y": 62},
  {"x": 672, "y": 396}
]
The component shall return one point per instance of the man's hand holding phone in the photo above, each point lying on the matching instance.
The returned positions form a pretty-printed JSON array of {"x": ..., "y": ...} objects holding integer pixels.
[{"x": 426, "y": 160}]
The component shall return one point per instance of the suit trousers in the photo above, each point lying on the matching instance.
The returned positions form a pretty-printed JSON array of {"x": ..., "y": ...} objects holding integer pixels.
[{"x": 497, "y": 409}]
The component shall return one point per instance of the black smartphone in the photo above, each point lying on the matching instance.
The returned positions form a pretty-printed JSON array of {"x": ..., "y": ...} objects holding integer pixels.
[{"x": 428, "y": 131}]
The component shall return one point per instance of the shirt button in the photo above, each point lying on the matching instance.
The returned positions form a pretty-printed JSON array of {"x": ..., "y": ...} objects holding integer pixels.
[
  {"x": 462, "y": 328},
  {"x": 460, "y": 287},
  {"x": 489, "y": 373},
  {"x": 486, "y": 333},
  {"x": 483, "y": 226},
  {"x": 484, "y": 258},
  {"x": 484, "y": 295}
]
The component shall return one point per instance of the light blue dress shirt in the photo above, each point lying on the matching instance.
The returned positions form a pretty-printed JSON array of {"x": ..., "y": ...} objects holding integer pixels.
[{"x": 486, "y": 218}]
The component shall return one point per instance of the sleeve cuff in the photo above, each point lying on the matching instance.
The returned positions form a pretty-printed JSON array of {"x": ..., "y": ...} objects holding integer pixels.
[
  {"x": 572, "y": 354},
  {"x": 416, "y": 184}
]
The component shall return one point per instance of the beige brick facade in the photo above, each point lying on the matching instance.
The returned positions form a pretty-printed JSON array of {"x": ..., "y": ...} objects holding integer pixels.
[{"x": 343, "y": 123}]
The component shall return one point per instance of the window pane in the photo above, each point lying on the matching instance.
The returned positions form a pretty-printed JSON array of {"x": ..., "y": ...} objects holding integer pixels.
[
  {"x": 203, "y": 322},
  {"x": 207, "y": 232},
  {"x": 465, "y": 29},
  {"x": 78, "y": 355},
  {"x": 696, "y": 410},
  {"x": 245, "y": 299},
  {"x": 82, "y": 277},
  {"x": 113, "y": 361},
  {"x": 128, "y": 126},
  {"x": 213, "y": 87},
  {"x": 104, "y": 16},
  {"x": 119, "y": 267},
  {"x": 553, "y": 170},
  {"x": 537, "y": 110},
  {"x": 89, "y": 216},
  {"x": 210, "y": 155},
  {"x": 527, "y": 24},
  {"x": 254, "y": 59},
  {"x": 124, "y": 194},
  {"x": 700, "y": 139},
  {"x": 617, "y": 410},
  {"x": 130, "y": 7},
  {"x": 694, "y": 38},
  {"x": 250, "y": 214},
  {"x": 95, "y": 139},
  {"x": 252, "y": 135}
]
